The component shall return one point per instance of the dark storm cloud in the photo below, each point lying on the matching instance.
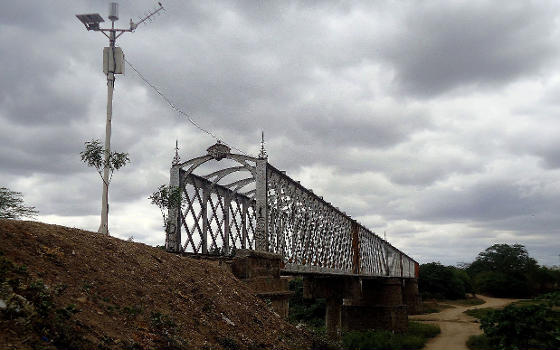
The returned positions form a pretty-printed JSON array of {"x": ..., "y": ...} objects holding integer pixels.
[
  {"x": 551, "y": 157},
  {"x": 334, "y": 86},
  {"x": 487, "y": 200},
  {"x": 443, "y": 46}
]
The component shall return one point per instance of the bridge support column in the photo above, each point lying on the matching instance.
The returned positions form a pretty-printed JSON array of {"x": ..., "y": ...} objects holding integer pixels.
[
  {"x": 411, "y": 296},
  {"x": 333, "y": 317},
  {"x": 173, "y": 224},
  {"x": 333, "y": 289},
  {"x": 261, "y": 272},
  {"x": 379, "y": 307}
]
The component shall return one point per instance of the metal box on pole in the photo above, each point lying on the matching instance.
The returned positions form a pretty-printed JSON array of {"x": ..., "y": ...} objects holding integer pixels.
[{"x": 113, "y": 64}]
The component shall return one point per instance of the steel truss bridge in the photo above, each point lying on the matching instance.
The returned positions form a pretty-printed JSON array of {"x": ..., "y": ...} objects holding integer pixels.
[{"x": 253, "y": 205}]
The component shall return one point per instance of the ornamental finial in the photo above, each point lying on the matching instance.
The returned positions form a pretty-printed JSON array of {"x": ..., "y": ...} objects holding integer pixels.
[
  {"x": 263, "y": 154},
  {"x": 219, "y": 150},
  {"x": 176, "y": 159}
]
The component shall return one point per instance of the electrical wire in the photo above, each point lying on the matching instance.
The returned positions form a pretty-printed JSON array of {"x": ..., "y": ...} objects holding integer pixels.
[{"x": 177, "y": 109}]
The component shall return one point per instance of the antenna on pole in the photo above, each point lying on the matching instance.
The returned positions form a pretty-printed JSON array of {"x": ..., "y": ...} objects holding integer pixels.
[
  {"x": 148, "y": 16},
  {"x": 113, "y": 63}
]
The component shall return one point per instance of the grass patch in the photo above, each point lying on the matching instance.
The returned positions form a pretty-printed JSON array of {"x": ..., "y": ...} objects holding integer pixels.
[
  {"x": 479, "y": 313},
  {"x": 431, "y": 307},
  {"x": 467, "y": 302},
  {"x": 425, "y": 330},
  {"x": 479, "y": 342},
  {"x": 414, "y": 338},
  {"x": 434, "y": 306}
]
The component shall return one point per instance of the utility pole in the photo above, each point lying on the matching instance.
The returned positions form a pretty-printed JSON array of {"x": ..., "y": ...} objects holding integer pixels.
[{"x": 113, "y": 63}]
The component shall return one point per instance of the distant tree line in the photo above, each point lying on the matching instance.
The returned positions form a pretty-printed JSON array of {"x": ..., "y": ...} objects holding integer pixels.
[{"x": 501, "y": 270}]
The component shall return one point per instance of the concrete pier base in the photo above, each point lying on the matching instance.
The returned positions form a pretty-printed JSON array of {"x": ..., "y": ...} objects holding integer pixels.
[
  {"x": 367, "y": 317},
  {"x": 261, "y": 272},
  {"x": 379, "y": 307},
  {"x": 411, "y": 296},
  {"x": 332, "y": 289}
]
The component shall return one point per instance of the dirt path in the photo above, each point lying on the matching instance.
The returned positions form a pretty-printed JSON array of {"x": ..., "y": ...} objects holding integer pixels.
[{"x": 457, "y": 327}]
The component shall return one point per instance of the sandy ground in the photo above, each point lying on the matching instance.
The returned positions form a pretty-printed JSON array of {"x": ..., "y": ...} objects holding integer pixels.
[{"x": 457, "y": 327}]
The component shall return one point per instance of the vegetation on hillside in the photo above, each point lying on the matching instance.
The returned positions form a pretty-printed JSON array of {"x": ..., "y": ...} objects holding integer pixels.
[
  {"x": 64, "y": 288},
  {"x": 27, "y": 305}
]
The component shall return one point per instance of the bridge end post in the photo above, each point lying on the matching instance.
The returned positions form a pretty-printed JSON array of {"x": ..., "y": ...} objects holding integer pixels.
[
  {"x": 261, "y": 209},
  {"x": 173, "y": 225}
]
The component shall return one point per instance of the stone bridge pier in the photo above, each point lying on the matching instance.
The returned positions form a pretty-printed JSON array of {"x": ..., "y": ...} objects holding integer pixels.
[{"x": 357, "y": 303}]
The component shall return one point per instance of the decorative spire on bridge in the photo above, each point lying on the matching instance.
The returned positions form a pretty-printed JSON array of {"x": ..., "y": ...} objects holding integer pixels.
[
  {"x": 176, "y": 158},
  {"x": 263, "y": 154}
]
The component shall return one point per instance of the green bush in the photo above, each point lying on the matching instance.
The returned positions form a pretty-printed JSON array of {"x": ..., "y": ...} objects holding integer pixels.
[
  {"x": 310, "y": 312},
  {"x": 479, "y": 342},
  {"x": 553, "y": 299},
  {"x": 535, "y": 326},
  {"x": 424, "y": 330},
  {"x": 479, "y": 313},
  {"x": 504, "y": 270},
  {"x": 443, "y": 282}
]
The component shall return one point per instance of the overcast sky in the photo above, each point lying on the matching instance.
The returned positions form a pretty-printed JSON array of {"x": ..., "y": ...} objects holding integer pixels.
[{"x": 436, "y": 122}]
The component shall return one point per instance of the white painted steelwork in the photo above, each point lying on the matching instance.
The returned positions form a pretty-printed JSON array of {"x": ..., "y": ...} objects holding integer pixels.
[{"x": 269, "y": 211}]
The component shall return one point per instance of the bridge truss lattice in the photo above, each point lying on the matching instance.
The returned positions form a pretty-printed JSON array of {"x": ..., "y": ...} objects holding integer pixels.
[{"x": 263, "y": 209}]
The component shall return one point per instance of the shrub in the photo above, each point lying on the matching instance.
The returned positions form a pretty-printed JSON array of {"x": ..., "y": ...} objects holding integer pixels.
[
  {"x": 424, "y": 330},
  {"x": 479, "y": 313},
  {"x": 443, "y": 282},
  {"x": 535, "y": 326},
  {"x": 504, "y": 270},
  {"x": 479, "y": 342},
  {"x": 310, "y": 312}
]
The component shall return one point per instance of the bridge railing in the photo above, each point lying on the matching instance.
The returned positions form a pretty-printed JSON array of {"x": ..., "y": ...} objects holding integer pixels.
[
  {"x": 214, "y": 218},
  {"x": 314, "y": 236},
  {"x": 311, "y": 234}
]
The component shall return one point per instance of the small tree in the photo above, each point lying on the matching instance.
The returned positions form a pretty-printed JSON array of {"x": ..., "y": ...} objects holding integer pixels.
[
  {"x": 504, "y": 270},
  {"x": 164, "y": 198},
  {"x": 443, "y": 282},
  {"x": 11, "y": 205},
  {"x": 96, "y": 156}
]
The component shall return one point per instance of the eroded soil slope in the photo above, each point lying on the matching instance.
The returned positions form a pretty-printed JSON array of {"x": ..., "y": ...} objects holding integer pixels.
[{"x": 63, "y": 287}]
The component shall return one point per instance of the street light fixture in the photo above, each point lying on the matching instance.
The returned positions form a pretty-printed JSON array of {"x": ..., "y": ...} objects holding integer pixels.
[{"x": 113, "y": 63}]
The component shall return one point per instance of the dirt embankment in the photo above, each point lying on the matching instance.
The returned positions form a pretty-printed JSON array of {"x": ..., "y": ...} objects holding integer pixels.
[
  {"x": 102, "y": 292},
  {"x": 456, "y": 326}
]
